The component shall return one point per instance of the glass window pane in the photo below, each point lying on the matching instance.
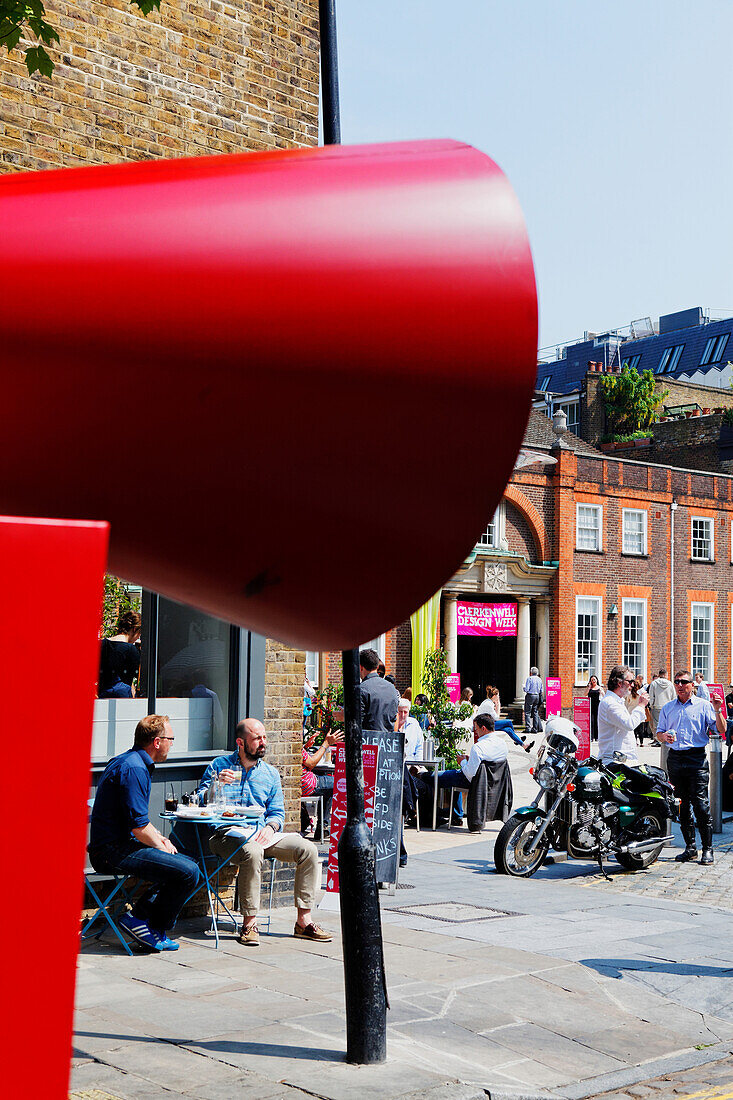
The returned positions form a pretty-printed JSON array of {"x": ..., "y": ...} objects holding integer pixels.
[
  {"x": 633, "y": 531},
  {"x": 702, "y": 538},
  {"x": 193, "y": 676},
  {"x": 702, "y": 638},
  {"x": 589, "y": 517},
  {"x": 586, "y": 663},
  {"x": 121, "y": 697},
  {"x": 633, "y": 635}
]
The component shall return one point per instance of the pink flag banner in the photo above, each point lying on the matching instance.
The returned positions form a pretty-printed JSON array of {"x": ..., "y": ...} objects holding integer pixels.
[
  {"x": 487, "y": 620},
  {"x": 369, "y": 755},
  {"x": 581, "y": 717},
  {"x": 453, "y": 683},
  {"x": 553, "y": 699},
  {"x": 717, "y": 689}
]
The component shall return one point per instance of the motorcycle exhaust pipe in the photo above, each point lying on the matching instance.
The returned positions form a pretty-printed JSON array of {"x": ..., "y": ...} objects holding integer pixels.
[{"x": 645, "y": 845}]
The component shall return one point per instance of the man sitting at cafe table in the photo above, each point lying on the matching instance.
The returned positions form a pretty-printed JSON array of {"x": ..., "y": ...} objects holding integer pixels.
[
  {"x": 487, "y": 746},
  {"x": 123, "y": 840},
  {"x": 260, "y": 785}
]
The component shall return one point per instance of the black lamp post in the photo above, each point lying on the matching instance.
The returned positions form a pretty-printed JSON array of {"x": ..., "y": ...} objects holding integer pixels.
[{"x": 364, "y": 978}]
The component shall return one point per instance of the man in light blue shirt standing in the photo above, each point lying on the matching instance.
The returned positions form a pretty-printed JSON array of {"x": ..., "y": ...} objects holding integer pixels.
[{"x": 685, "y": 725}]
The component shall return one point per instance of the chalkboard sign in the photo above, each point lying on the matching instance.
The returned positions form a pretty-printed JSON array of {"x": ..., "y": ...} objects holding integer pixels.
[{"x": 387, "y": 800}]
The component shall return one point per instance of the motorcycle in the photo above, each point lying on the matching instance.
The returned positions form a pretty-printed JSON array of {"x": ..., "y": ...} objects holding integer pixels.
[{"x": 591, "y": 810}]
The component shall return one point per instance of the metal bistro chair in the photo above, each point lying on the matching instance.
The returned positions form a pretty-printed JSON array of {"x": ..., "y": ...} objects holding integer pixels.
[{"x": 113, "y": 905}]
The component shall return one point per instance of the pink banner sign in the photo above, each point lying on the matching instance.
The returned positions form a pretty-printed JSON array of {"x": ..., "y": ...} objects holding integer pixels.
[
  {"x": 487, "y": 620},
  {"x": 581, "y": 717},
  {"x": 453, "y": 683},
  {"x": 369, "y": 755},
  {"x": 717, "y": 689},
  {"x": 553, "y": 696}
]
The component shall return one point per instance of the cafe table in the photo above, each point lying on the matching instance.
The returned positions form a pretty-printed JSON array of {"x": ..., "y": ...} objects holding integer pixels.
[
  {"x": 436, "y": 764},
  {"x": 209, "y": 864}
]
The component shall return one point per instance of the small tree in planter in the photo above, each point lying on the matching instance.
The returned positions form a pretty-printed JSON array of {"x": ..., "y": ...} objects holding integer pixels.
[
  {"x": 443, "y": 712},
  {"x": 632, "y": 401}
]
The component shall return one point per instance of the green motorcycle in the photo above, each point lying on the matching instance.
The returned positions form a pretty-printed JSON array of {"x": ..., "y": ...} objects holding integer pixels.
[{"x": 588, "y": 809}]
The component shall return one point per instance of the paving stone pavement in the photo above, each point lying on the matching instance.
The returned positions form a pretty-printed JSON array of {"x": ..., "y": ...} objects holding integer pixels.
[
  {"x": 713, "y": 1081},
  {"x": 559, "y": 986}
]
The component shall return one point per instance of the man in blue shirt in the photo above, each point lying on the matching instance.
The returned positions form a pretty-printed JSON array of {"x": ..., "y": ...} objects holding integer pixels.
[
  {"x": 532, "y": 698},
  {"x": 685, "y": 724},
  {"x": 123, "y": 840},
  {"x": 257, "y": 783}
]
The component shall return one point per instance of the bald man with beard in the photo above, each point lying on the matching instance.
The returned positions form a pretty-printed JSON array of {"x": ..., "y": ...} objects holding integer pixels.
[{"x": 260, "y": 785}]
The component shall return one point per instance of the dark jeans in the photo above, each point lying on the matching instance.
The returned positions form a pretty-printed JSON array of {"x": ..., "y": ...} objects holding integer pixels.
[
  {"x": 689, "y": 775},
  {"x": 453, "y": 777},
  {"x": 173, "y": 878},
  {"x": 324, "y": 789},
  {"x": 532, "y": 713}
]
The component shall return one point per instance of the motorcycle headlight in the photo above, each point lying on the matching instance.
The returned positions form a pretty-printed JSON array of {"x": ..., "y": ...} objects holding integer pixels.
[{"x": 546, "y": 776}]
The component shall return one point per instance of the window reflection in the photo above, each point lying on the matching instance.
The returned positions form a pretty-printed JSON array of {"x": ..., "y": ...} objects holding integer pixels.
[{"x": 193, "y": 675}]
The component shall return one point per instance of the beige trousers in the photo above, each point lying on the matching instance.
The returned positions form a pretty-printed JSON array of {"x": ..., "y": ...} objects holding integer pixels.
[{"x": 289, "y": 848}]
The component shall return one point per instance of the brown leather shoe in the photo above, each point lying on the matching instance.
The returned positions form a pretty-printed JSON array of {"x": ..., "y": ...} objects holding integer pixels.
[
  {"x": 249, "y": 937},
  {"x": 312, "y": 932}
]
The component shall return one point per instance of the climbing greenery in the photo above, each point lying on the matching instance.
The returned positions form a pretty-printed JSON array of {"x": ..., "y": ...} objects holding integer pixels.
[
  {"x": 632, "y": 401},
  {"x": 24, "y": 27}
]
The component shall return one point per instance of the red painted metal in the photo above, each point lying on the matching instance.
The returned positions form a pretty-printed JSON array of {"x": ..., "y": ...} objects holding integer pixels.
[
  {"x": 294, "y": 383},
  {"x": 52, "y": 577}
]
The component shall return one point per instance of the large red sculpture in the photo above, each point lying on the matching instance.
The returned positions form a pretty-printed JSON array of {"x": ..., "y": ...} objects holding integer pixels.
[
  {"x": 275, "y": 375},
  {"x": 293, "y": 383}
]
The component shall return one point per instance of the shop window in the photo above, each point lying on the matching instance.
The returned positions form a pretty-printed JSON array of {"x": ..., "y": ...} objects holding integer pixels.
[
  {"x": 702, "y": 538},
  {"x": 633, "y": 522},
  {"x": 702, "y": 640},
  {"x": 587, "y": 638},
  {"x": 589, "y": 519},
  {"x": 634, "y": 635}
]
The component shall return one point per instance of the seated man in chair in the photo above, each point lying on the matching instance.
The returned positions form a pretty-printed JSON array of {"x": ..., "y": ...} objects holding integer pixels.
[
  {"x": 260, "y": 785},
  {"x": 123, "y": 840},
  {"x": 487, "y": 746}
]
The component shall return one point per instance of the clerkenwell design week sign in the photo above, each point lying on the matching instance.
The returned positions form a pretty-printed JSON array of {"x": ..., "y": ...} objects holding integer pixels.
[{"x": 487, "y": 620}]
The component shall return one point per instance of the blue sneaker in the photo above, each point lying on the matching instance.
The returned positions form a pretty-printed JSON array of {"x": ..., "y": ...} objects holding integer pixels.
[
  {"x": 140, "y": 931},
  {"x": 166, "y": 943}
]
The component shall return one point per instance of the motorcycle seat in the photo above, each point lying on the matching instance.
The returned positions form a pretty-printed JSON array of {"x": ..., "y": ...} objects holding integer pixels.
[{"x": 644, "y": 778}]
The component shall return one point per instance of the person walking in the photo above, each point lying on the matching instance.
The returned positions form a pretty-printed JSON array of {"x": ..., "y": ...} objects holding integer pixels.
[
  {"x": 532, "y": 698},
  {"x": 701, "y": 688},
  {"x": 685, "y": 725}
]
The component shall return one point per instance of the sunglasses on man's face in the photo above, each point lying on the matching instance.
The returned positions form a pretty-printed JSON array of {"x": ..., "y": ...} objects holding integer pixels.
[{"x": 683, "y": 681}]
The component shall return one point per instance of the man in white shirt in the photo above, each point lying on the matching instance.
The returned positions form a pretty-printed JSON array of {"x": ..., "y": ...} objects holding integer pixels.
[
  {"x": 616, "y": 724},
  {"x": 488, "y": 746},
  {"x": 701, "y": 688},
  {"x": 414, "y": 736}
]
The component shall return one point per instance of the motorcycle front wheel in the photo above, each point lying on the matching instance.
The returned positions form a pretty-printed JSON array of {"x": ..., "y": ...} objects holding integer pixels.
[
  {"x": 510, "y": 851},
  {"x": 646, "y": 827}
]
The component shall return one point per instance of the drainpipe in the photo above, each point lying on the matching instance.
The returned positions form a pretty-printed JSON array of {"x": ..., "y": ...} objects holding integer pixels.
[{"x": 672, "y": 510}]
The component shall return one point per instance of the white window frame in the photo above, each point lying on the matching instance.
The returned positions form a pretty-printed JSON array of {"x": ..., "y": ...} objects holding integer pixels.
[
  {"x": 709, "y": 673},
  {"x": 711, "y": 527},
  {"x": 377, "y": 644},
  {"x": 566, "y": 407},
  {"x": 591, "y": 671},
  {"x": 599, "y": 511},
  {"x": 640, "y": 600},
  {"x": 312, "y": 664},
  {"x": 634, "y": 511},
  {"x": 731, "y": 561},
  {"x": 496, "y": 525}
]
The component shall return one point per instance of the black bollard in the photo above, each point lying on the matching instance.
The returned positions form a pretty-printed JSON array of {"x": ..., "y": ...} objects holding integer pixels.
[{"x": 364, "y": 977}]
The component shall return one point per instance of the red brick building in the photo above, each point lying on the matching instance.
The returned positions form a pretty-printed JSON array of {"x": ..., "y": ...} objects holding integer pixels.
[{"x": 607, "y": 560}]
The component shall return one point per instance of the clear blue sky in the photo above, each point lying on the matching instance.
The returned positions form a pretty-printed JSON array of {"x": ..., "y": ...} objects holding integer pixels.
[{"x": 613, "y": 121}]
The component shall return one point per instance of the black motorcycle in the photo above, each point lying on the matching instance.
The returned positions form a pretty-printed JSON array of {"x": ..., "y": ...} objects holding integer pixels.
[{"x": 589, "y": 810}]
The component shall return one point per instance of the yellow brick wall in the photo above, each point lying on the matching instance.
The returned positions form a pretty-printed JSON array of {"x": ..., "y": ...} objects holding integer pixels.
[
  {"x": 284, "y": 679},
  {"x": 198, "y": 77}
]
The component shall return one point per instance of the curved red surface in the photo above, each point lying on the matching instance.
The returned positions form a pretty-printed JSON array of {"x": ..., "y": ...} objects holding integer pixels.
[{"x": 294, "y": 383}]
